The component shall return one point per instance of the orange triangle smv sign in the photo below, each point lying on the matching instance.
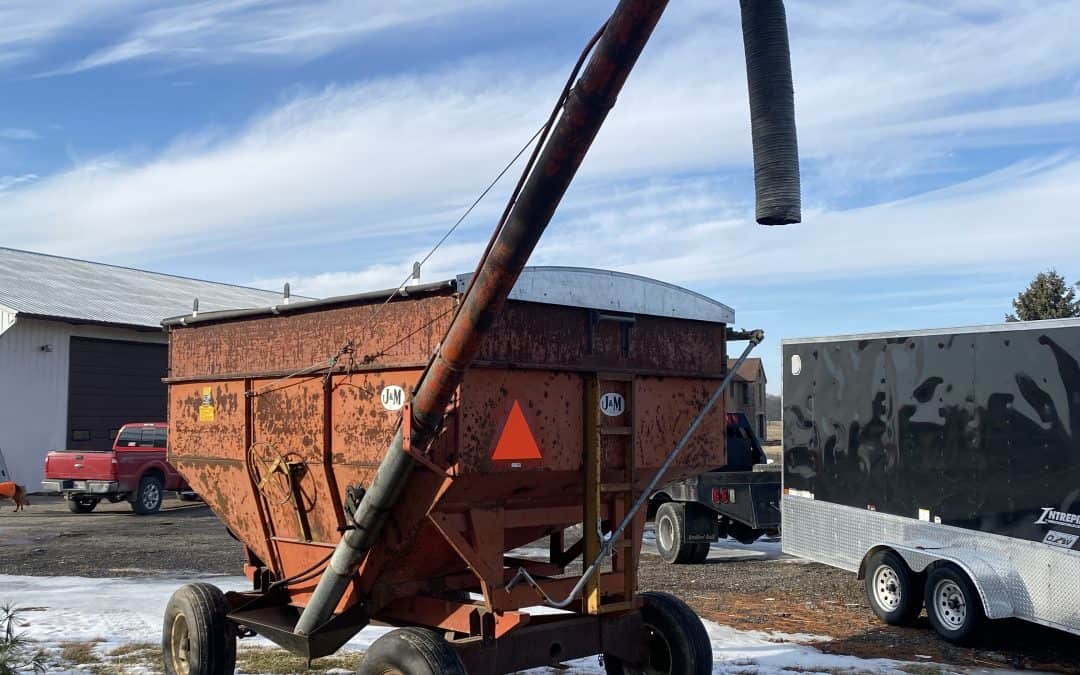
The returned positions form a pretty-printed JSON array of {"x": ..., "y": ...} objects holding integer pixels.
[{"x": 516, "y": 442}]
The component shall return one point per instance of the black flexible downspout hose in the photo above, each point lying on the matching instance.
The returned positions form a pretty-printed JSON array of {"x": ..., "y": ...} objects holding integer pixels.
[{"x": 772, "y": 112}]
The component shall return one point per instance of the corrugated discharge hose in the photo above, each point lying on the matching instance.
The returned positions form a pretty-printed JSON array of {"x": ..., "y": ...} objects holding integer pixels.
[{"x": 772, "y": 112}]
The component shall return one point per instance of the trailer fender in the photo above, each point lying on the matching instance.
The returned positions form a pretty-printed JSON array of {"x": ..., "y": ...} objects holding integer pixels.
[{"x": 990, "y": 575}]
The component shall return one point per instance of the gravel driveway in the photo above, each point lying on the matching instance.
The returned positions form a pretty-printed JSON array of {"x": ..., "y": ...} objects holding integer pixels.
[{"x": 745, "y": 587}]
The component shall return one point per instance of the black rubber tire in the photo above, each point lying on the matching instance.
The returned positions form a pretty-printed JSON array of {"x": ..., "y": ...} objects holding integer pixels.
[
  {"x": 951, "y": 625},
  {"x": 147, "y": 499},
  {"x": 744, "y": 534},
  {"x": 678, "y": 643},
  {"x": 198, "y": 611},
  {"x": 888, "y": 576},
  {"x": 411, "y": 651},
  {"x": 670, "y": 524},
  {"x": 81, "y": 504},
  {"x": 699, "y": 553}
]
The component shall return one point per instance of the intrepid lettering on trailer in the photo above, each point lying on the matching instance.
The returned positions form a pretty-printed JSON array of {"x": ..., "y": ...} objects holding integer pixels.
[{"x": 1051, "y": 516}]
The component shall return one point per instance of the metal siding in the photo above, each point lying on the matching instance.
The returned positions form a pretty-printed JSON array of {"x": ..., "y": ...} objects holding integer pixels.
[
  {"x": 33, "y": 391},
  {"x": 1015, "y": 578}
]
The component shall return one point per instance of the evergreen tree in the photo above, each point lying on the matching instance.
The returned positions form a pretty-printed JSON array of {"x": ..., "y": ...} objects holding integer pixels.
[{"x": 1047, "y": 297}]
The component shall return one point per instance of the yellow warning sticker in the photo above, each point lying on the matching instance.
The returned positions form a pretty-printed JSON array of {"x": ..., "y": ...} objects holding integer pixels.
[{"x": 206, "y": 409}]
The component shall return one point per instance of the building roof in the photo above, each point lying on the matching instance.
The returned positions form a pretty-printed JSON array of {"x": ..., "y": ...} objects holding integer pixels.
[
  {"x": 750, "y": 370},
  {"x": 50, "y": 287}
]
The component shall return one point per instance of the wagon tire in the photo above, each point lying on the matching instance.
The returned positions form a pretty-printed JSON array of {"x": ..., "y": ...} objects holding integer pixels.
[
  {"x": 147, "y": 499},
  {"x": 81, "y": 504},
  {"x": 411, "y": 651},
  {"x": 953, "y": 604},
  {"x": 197, "y": 638},
  {"x": 699, "y": 554},
  {"x": 894, "y": 592},
  {"x": 677, "y": 642},
  {"x": 670, "y": 525}
]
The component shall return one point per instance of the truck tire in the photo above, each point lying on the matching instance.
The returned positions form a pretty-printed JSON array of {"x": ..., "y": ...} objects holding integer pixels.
[
  {"x": 197, "y": 638},
  {"x": 892, "y": 589},
  {"x": 953, "y": 604},
  {"x": 411, "y": 651},
  {"x": 670, "y": 525},
  {"x": 677, "y": 641},
  {"x": 81, "y": 504},
  {"x": 147, "y": 499}
]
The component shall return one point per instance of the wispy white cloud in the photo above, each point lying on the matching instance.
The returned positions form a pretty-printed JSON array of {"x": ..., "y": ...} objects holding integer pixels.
[
  {"x": 29, "y": 26},
  {"x": 8, "y": 182},
  {"x": 689, "y": 232},
  {"x": 884, "y": 91},
  {"x": 15, "y": 134},
  {"x": 228, "y": 31}
]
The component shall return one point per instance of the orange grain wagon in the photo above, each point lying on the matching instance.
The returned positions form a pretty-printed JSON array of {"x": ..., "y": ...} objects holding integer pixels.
[{"x": 384, "y": 456}]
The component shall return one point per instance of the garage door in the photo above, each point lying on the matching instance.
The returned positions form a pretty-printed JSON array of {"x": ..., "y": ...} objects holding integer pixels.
[{"x": 111, "y": 383}]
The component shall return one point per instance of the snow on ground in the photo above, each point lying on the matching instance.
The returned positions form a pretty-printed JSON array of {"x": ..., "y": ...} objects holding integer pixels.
[{"x": 129, "y": 610}]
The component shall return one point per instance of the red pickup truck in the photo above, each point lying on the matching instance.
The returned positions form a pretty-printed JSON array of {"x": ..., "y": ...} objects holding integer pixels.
[{"x": 135, "y": 469}]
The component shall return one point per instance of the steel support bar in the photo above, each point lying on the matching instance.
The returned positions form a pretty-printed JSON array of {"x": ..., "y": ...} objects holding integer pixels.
[{"x": 584, "y": 112}]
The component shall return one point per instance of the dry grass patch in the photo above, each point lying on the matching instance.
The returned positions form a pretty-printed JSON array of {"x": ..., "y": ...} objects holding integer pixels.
[
  {"x": 271, "y": 661},
  {"x": 80, "y": 653}
]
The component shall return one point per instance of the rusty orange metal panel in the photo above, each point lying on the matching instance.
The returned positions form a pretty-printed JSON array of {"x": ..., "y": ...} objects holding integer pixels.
[
  {"x": 550, "y": 402},
  {"x": 288, "y": 455},
  {"x": 665, "y": 408},
  {"x": 535, "y": 335},
  {"x": 405, "y": 332},
  {"x": 207, "y": 445}
]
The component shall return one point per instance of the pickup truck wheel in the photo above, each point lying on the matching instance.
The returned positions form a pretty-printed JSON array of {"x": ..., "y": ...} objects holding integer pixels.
[
  {"x": 699, "y": 553},
  {"x": 677, "y": 643},
  {"x": 670, "y": 525},
  {"x": 148, "y": 497},
  {"x": 197, "y": 638},
  {"x": 81, "y": 504}
]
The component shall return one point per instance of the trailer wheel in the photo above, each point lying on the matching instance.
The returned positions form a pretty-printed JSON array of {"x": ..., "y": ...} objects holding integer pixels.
[
  {"x": 953, "y": 604},
  {"x": 197, "y": 638},
  {"x": 677, "y": 641},
  {"x": 411, "y": 651},
  {"x": 670, "y": 525},
  {"x": 148, "y": 497},
  {"x": 81, "y": 504},
  {"x": 892, "y": 589}
]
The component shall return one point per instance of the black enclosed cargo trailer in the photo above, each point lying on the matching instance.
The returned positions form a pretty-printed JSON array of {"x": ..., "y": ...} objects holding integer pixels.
[{"x": 940, "y": 464}]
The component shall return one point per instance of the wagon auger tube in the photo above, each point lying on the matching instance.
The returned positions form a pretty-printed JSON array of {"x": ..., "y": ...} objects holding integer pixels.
[{"x": 592, "y": 97}]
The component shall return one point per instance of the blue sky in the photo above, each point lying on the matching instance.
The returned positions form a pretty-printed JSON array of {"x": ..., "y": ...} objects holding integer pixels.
[{"x": 331, "y": 143}]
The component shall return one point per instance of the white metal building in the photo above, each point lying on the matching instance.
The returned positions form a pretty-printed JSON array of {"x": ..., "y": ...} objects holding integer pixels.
[{"x": 82, "y": 350}]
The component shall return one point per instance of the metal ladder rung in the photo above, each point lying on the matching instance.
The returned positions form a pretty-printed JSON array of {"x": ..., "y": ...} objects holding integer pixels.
[
  {"x": 616, "y": 431},
  {"x": 616, "y": 488}
]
